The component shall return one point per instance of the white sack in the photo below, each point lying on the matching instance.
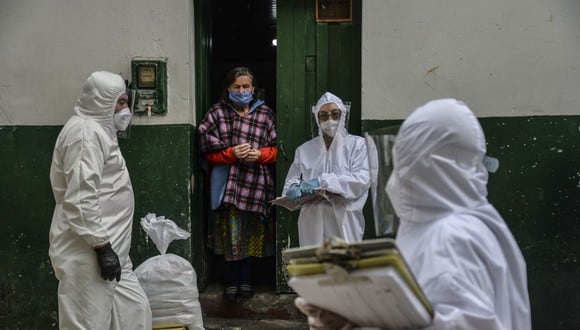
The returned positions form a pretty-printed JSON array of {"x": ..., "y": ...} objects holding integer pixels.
[{"x": 169, "y": 280}]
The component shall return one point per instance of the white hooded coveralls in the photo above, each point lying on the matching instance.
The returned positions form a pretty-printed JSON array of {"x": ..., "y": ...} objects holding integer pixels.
[
  {"x": 343, "y": 169},
  {"x": 94, "y": 205},
  {"x": 456, "y": 243}
]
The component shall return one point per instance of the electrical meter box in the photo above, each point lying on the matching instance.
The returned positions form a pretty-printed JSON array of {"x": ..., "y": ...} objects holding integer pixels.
[{"x": 149, "y": 80}]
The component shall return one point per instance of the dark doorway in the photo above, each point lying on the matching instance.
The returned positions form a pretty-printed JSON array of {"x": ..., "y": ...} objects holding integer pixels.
[{"x": 243, "y": 33}]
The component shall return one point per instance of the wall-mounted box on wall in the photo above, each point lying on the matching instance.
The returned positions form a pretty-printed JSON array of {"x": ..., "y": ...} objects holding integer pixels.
[
  {"x": 333, "y": 11},
  {"x": 149, "y": 80}
]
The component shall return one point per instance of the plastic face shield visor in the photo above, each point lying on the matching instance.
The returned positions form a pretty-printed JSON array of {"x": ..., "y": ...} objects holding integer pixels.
[
  {"x": 126, "y": 133},
  {"x": 380, "y": 144},
  {"x": 315, "y": 119}
]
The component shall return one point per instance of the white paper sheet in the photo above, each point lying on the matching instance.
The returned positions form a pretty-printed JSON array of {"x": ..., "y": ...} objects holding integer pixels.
[{"x": 373, "y": 297}]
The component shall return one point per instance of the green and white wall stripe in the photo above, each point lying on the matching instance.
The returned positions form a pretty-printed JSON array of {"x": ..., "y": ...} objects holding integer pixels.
[
  {"x": 47, "y": 51},
  {"x": 515, "y": 64}
]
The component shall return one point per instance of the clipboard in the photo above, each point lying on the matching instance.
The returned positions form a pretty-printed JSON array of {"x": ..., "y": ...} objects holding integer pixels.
[
  {"x": 370, "y": 284},
  {"x": 293, "y": 205}
]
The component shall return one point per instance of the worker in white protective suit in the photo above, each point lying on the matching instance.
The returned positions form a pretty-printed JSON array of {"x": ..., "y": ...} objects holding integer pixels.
[
  {"x": 336, "y": 162},
  {"x": 457, "y": 245},
  {"x": 90, "y": 234}
]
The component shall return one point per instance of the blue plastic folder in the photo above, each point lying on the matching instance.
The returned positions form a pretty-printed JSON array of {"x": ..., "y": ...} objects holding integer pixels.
[{"x": 218, "y": 180}]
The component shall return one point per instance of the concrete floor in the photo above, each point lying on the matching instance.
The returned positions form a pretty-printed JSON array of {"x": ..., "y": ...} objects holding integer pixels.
[
  {"x": 211, "y": 323},
  {"x": 265, "y": 310}
]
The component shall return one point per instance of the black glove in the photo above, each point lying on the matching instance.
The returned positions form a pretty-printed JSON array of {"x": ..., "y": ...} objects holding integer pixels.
[{"x": 108, "y": 262}]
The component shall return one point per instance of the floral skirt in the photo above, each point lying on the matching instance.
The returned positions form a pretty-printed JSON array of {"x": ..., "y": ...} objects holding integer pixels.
[{"x": 237, "y": 234}]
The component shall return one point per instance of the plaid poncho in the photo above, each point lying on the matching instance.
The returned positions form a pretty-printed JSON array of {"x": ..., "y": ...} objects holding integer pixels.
[{"x": 250, "y": 186}]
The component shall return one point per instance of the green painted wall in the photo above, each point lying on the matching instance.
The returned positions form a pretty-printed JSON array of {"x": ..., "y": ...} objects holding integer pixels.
[
  {"x": 159, "y": 159},
  {"x": 537, "y": 191},
  {"x": 27, "y": 284}
]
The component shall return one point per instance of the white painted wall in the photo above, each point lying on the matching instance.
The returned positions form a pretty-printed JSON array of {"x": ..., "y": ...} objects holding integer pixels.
[
  {"x": 48, "y": 49},
  {"x": 502, "y": 57}
]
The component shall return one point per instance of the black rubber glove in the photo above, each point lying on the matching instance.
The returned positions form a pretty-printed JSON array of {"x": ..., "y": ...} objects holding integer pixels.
[{"x": 109, "y": 263}]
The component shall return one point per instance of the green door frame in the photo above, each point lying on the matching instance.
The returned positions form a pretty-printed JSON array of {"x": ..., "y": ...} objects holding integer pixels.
[{"x": 202, "y": 93}]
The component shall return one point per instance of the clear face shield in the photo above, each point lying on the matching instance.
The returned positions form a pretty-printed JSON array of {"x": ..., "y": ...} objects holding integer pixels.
[
  {"x": 126, "y": 119},
  {"x": 314, "y": 122},
  {"x": 379, "y": 146}
]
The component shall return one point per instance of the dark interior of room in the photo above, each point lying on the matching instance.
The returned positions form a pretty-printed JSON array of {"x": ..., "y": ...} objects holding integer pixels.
[{"x": 242, "y": 34}]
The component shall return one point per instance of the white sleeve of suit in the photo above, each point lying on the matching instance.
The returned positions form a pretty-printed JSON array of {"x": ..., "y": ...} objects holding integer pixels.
[
  {"x": 83, "y": 166},
  {"x": 293, "y": 175},
  {"x": 461, "y": 305},
  {"x": 354, "y": 183},
  {"x": 460, "y": 285}
]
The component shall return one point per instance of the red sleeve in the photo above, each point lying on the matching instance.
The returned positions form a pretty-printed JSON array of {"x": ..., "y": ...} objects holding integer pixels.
[
  {"x": 269, "y": 155},
  {"x": 225, "y": 156}
]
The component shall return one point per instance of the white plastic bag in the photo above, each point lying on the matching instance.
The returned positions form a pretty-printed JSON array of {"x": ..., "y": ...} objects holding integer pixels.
[{"x": 169, "y": 280}]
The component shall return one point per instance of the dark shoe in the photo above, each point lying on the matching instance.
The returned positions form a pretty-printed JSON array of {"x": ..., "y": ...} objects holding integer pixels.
[
  {"x": 246, "y": 291},
  {"x": 231, "y": 293}
]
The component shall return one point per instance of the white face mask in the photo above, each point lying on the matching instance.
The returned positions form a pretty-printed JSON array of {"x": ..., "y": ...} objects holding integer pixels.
[
  {"x": 122, "y": 119},
  {"x": 329, "y": 127}
]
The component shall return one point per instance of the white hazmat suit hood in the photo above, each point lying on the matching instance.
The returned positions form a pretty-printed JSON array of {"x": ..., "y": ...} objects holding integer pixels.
[
  {"x": 456, "y": 243},
  {"x": 94, "y": 205},
  {"x": 344, "y": 112},
  {"x": 101, "y": 91},
  {"x": 343, "y": 170}
]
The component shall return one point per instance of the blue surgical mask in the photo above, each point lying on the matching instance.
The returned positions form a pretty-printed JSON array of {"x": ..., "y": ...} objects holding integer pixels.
[{"x": 241, "y": 98}]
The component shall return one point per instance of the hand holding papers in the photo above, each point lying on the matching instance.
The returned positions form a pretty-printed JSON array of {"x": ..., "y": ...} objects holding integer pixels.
[
  {"x": 319, "y": 318},
  {"x": 293, "y": 205},
  {"x": 367, "y": 283}
]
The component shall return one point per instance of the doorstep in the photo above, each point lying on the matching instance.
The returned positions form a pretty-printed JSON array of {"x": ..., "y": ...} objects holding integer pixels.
[{"x": 264, "y": 305}]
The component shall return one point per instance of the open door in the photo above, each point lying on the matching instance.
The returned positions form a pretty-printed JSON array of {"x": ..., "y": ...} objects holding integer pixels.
[{"x": 313, "y": 57}]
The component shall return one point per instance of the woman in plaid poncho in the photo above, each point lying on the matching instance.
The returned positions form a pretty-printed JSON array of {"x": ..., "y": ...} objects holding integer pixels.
[{"x": 238, "y": 139}]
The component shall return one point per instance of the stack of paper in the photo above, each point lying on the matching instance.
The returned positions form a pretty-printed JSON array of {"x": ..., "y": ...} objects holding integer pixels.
[
  {"x": 293, "y": 205},
  {"x": 368, "y": 283}
]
